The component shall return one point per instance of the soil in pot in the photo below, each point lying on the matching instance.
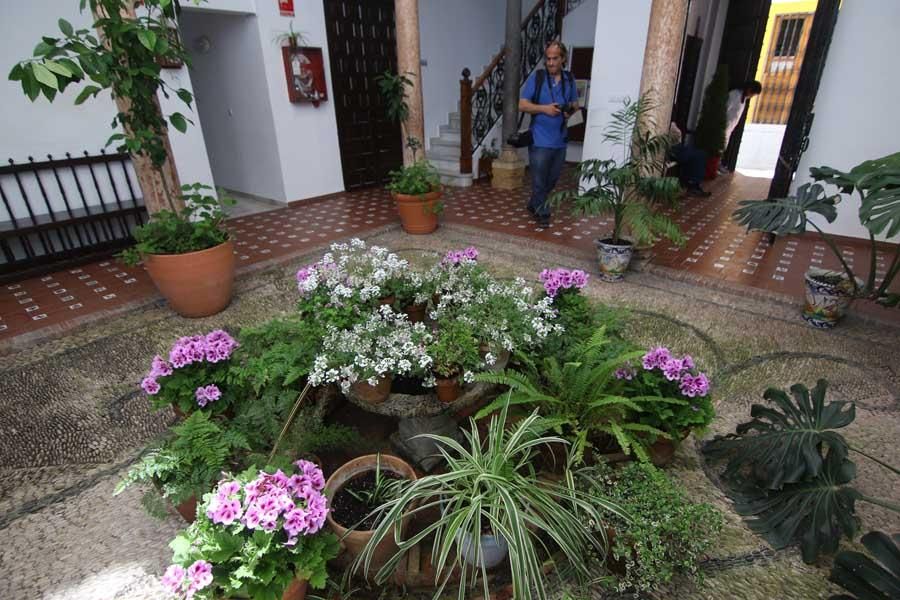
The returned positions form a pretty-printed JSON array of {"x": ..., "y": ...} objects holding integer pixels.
[{"x": 347, "y": 510}]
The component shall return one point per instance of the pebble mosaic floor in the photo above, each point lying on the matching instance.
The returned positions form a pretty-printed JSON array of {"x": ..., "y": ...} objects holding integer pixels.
[{"x": 717, "y": 248}]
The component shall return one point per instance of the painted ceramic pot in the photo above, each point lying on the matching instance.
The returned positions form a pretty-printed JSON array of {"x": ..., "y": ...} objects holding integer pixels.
[
  {"x": 493, "y": 550},
  {"x": 614, "y": 259},
  {"x": 826, "y": 301}
]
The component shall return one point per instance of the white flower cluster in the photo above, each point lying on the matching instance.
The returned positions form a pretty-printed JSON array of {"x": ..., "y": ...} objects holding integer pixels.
[
  {"x": 351, "y": 269},
  {"x": 386, "y": 343}
]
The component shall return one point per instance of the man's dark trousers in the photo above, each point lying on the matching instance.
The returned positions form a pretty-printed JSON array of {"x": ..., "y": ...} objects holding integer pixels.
[{"x": 545, "y": 165}]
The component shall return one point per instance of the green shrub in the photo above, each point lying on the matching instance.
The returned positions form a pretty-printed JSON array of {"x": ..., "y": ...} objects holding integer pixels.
[{"x": 710, "y": 133}]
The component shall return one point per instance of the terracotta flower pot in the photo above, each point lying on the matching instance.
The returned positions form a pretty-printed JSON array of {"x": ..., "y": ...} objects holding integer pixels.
[
  {"x": 374, "y": 394},
  {"x": 417, "y": 212},
  {"x": 386, "y": 300},
  {"x": 415, "y": 312},
  {"x": 188, "y": 509},
  {"x": 196, "y": 284},
  {"x": 296, "y": 590},
  {"x": 354, "y": 541},
  {"x": 447, "y": 389}
]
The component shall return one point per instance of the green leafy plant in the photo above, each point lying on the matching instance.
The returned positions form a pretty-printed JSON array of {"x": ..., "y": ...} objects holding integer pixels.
[
  {"x": 710, "y": 132},
  {"x": 454, "y": 350},
  {"x": 789, "y": 472},
  {"x": 384, "y": 489},
  {"x": 417, "y": 179},
  {"x": 189, "y": 462},
  {"x": 579, "y": 318},
  {"x": 123, "y": 59},
  {"x": 290, "y": 37},
  {"x": 666, "y": 533},
  {"x": 199, "y": 225},
  {"x": 582, "y": 397},
  {"x": 489, "y": 487},
  {"x": 878, "y": 184},
  {"x": 868, "y": 578},
  {"x": 393, "y": 89},
  {"x": 628, "y": 189},
  {"x": 491, "y": 152}
]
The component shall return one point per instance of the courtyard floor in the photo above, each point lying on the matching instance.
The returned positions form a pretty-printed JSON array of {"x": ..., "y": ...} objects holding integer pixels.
[{"x": 74, "y": 419}]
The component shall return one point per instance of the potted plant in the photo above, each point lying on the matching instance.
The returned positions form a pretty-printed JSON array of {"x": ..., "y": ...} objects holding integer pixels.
[
  {"x": 194, "y": 376},
  {"x": 865, "y": 576},
  {"x": 189, "y": 255},
  {"x": 416, "y": 189},
  {"x": 627, "y": 189},
  {"x": 665, "y": 535},
  {"x": 186, "y": 465},
  {"x": 259, "y": 536},
  {"x": 830, "y": 292},
  {"x": 293, "y": 39},
  {"x": 710, "y": 133},
  {"x": 486, "y": 160},
  {"x": 410, "y": 295},
  {"x": 366, "y": 357},
  {"x": 667, "y": 376},
  {"x": 491, "y": 508},
  {"x": 455, "y": 353},
  {"x": 358, "y": 488}
]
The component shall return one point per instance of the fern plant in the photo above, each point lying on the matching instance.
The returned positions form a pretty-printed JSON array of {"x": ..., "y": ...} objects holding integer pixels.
[
  {"x": 582, "y": 398},
  {"x": 630, "y": 190},
  {"x": 188, "y": 463}
]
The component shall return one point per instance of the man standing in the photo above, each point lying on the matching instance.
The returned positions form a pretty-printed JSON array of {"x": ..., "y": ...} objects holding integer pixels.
[
  {"x": 737, "y": 102},
  {"x": 550, "y": 97}
]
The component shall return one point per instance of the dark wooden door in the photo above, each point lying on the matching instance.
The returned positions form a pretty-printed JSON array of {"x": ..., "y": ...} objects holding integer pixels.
[
  {"x": 687, "y": 79},
  {"x": 742, "y": 40},
  {"x": 582, "y": 62},
  {"x": 362, "y": 45},
  {"x": 796, "y": 134}
]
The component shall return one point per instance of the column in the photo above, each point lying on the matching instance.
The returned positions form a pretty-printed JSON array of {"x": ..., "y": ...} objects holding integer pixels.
[
  {"x": 406, "y": 16},
  {"x": 662, "y": 57},
  {"x": 509, "y": 169}
]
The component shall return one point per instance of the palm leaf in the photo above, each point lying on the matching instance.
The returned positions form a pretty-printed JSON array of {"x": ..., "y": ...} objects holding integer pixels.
[
  {"x": 783, "y": 216},
  {"x": 876, "y": 578},
  {"x": 781, "y": 444}
]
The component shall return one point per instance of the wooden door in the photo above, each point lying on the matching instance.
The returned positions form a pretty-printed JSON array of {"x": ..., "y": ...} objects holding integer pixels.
[
  {"x": 362, "y": 44},
  {"x": 687, "y": 79},
  {"x": 799, "y": 122},
  {"x": 742, "y": 39},
  {"x": 781, "y": 69}
]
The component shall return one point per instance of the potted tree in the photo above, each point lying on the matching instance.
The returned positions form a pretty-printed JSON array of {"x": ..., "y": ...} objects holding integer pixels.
[
  {"x": 710, "y": 133},
  {"x": 829, "y": 292},
  {"x": 627, "y": 189}
]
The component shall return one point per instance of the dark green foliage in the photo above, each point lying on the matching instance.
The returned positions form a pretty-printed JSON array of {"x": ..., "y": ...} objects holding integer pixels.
[
  {"x": 413, "y": 180},
  {"x": 455, "y": 349},
  {"x": 784, "y": 216},
  {"x": 875, "y": 578},
  {"x": 393, "y": 90},
  {"x": 710, "y": 132},
  {"x": 580, "y": 318},
  {"x": 197, "y": 227},
  {"x": 665, "y": 533},
  {"x": 189, "y": 462}
]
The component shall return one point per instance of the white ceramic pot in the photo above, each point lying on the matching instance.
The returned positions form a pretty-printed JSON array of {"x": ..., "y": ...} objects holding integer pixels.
[{"x": 493, "y": 550}]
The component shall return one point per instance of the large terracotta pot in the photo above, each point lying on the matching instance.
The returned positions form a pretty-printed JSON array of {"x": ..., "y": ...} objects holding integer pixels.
[
  {"x": 417, "y": 212},
  {"x": 826, "y": 301},
  {"x": 196, "y": 284},
  {"x": 354, "y": 541},
  {"x": 374, "y": 394},
  {"x": 614, "y": 258}
]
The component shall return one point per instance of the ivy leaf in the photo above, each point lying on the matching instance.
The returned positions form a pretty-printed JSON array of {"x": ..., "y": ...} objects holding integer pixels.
[
  {"x": 66, "y": 27},
  {"x": 87, "y": 91},
  {"x": 185, "y": 96},
  {"x": 58, "y": 68},
  {"x": 43, "y": 75},
  {"x": 147, "y": 39},
  {"x": 178, "y": 121}
]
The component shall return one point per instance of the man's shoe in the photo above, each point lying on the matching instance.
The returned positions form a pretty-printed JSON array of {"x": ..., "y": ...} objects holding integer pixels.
[
  {"x": 531, "y": 210},
  {"x": 698, "y": 192},
  {"x": 543, "y": 222}
]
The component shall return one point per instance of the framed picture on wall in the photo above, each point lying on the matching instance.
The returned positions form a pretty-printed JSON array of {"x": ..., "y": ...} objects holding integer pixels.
[{"x": 304, "y": 69}]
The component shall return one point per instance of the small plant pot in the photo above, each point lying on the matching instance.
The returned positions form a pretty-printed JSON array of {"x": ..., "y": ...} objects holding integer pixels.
[
  {"x": 354, "y": 541},
  {"x": 447, "y": 389},
  {"x": 374, "y": 394},
  {"x": 415, "y": 312},
  {"x": 662, "y": 451},
  {"x": 485, "y": 168},
  {"x": 386, "y": 300},
  {"x": 196, "y": 284},
  {"x": 188, "y": 509},
  {"x": 296, "y": 590},
  {"x": 614, "y": 259},
  {"x": 712, "y": 167},
  {"x": 828, "y": 295},
  {"x": 417, "y": 213},
  {"x": 494, "y": 550}
]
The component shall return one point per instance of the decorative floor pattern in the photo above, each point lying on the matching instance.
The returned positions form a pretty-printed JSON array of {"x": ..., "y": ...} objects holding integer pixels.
[{"x": 716, "y": 248}]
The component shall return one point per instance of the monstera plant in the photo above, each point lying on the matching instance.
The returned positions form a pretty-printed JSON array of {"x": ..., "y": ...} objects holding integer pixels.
[
  {"x": 789, "y": 473},
  {"x": 865, "y": 578},
  {"x": 878, "y": 184}
]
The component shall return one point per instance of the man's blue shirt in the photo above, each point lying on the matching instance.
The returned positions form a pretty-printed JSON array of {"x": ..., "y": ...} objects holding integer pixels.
[{"x": 550, "y": 132}]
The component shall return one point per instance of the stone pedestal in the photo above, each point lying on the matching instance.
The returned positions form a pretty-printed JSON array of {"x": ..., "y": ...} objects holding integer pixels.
[{"x": 508, "y": 171}]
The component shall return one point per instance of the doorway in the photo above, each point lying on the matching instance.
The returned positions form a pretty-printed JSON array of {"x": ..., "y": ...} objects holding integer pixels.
[{"x": 362, "y": 45}]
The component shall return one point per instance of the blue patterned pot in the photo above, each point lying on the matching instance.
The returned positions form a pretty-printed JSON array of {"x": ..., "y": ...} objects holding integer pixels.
[
  {"x": 826, "y": 303},
  {"x": 614, "y": 259}
]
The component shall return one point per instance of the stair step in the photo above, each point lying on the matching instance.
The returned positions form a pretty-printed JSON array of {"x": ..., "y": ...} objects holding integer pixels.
[
  {"x": 449, "y": 132},
  {"x": 444, "y": 143},
  {"x": 455, "y": 179},
  {"x": 454, "y": 120},
  {"x": 443, "y": 153},
  {"x": 445, "y": 164}
]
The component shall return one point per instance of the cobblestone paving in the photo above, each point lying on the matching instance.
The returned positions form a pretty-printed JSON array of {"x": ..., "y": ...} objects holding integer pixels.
[{"x": 72, "y": 423}]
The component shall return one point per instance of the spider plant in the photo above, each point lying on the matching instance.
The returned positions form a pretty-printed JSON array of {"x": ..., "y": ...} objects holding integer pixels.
[
  {"x": 489, "y": 487},
  {"x": 383, "y": 490}
]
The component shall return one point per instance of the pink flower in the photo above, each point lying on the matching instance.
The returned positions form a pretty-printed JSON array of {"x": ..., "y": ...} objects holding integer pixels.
[
  {"x": 200, "y": 574},
  {"x": 150, "y": 385},
  {"x": 173, "y": 579},
  {"x": 159, "y": 367},
  {"x": 687, "y": 362},
  {"x": 672, "y": 369},
  {"x": 692, "y": 386},
  {"x": 625, "y": 373},
  {"x": 207, "y": 394},
  {"x": 312, "y": 472},
  {"x": 656, "y": 358}
]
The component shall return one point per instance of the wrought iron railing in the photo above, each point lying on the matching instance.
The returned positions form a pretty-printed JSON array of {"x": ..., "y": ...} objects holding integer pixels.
[
  {"x": 481, "y": 102},
  {"x": 58, "y": 210}
]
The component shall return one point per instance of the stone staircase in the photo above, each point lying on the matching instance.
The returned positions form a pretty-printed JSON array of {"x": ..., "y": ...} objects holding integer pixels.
[{"x": 443, "y": 153}]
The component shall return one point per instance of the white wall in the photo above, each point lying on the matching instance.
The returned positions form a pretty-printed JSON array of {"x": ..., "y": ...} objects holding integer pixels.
[
  {"x": 856, "y": 107},
  {"x": 40, "y": 127},
  {"x": 233, "y": 102},
  {"x": 619, "y": 41},
  {"x": 579, "y": 26},
  {"x": 452, "y": 36},
  {"x": 760, "y": 146}
]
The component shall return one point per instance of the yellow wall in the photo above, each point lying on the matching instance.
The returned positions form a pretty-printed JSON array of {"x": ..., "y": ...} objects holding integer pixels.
[{"x": 778, "y": 8}]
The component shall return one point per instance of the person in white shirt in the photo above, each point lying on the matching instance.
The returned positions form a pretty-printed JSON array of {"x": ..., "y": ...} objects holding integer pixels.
[{"x": 737, "y": 102}]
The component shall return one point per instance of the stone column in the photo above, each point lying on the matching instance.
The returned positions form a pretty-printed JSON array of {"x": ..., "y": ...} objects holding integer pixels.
[
  {"x": 409, "y": 63},
  {"x": 662, "y": 56},
  {"x": 509, "y": 169}
]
